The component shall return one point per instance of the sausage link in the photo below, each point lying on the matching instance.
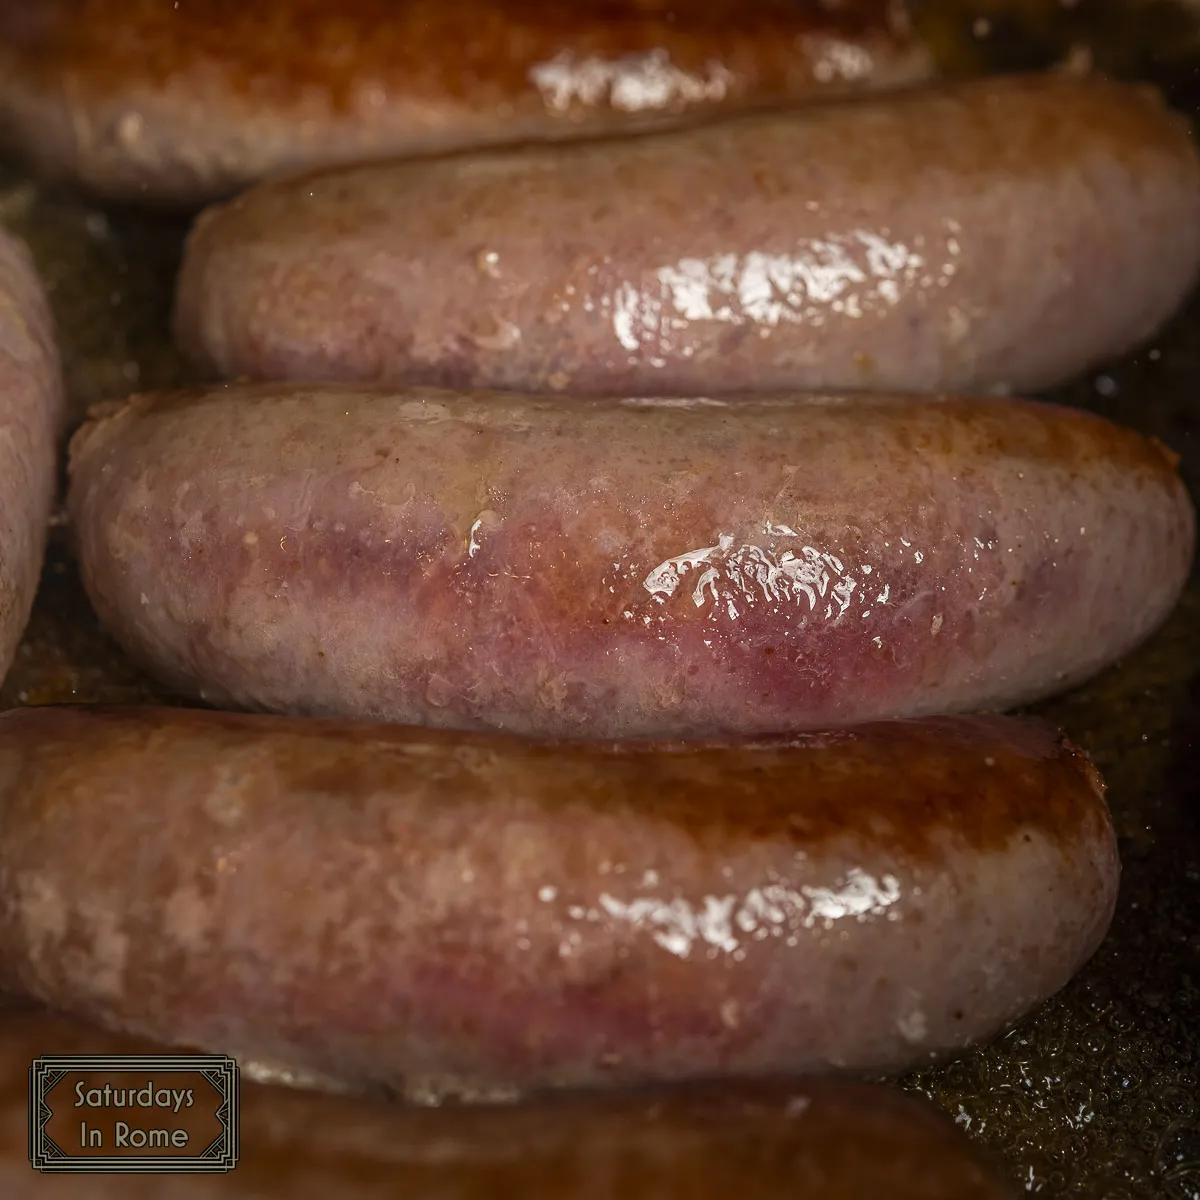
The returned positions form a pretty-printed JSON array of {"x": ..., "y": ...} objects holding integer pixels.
[
  {"x": 999, "y": 234},
  {"x": 764, "y": 1140},
  {"x": 182, "y": 102},
  {"x": 446, "y": 914},
  {"x": 770, "y": 1139},
  {"x": 31, "y": 413},
  {"x": 622, "y": 568}
]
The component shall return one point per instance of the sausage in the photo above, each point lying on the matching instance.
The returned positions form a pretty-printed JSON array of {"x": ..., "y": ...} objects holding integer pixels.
[
  {"x": 183, "y": 102},
  {"x": 31, "y": 412},
  {"x": 1001, "y": 234},
  {"x": 621, "y": 568},
  {"x": 442, "y": 914},
  {"x": 764, "y": 1140}
]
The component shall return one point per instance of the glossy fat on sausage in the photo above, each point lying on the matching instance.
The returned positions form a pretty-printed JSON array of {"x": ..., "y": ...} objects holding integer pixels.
[
  {"x": 182, "y": 102},
  {"x": 444, "y": 914},
  {"x": 999, "y": 234},
  {"x": 31, "y": 410},
  {"x": 621, "y": 568},
  {"x": 773, "y": 1139}
]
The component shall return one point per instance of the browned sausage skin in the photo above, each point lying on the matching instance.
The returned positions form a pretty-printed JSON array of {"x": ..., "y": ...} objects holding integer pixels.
[
  {"x": 622, "y": 568},
  {"x": 999, "y": 234},
  {"x": 31, "y": 411},
  {"x": 764, "y": 1140},
  {"x": 441, "y": 913},
  {"x": 188, "y": 101}
]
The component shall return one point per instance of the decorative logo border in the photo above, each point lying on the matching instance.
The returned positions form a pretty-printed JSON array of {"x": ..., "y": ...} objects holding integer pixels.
[{"x": 217, "y": 1158}]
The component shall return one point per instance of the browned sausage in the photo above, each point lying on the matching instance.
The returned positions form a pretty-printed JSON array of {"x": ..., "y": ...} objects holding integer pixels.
[
  {"x": 763, "y": 1140},
  {"x": 442, "y": 914},
  {"x": 31, "y": 410},
  {"x": 185, "y": 101},
  {"x": 622, "y": 568},
  {"x": 1003, "y": 233}
]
